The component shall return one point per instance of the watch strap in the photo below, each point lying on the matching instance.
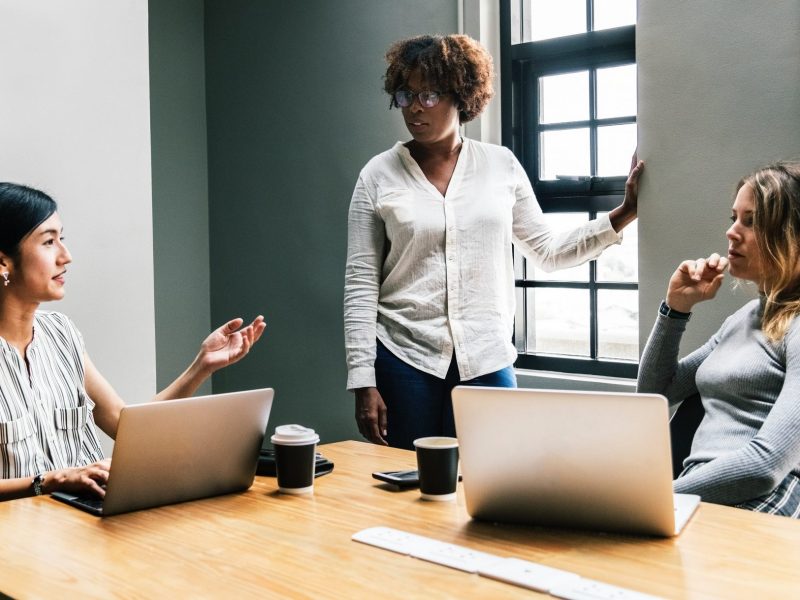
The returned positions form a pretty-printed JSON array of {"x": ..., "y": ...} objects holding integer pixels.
[
  {"x": 38, "y": 484},
  {"x": 671, "y": 313}
]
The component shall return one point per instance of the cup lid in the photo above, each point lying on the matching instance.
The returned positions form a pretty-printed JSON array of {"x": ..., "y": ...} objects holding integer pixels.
[
  {"x": 294, "y": 435},
  {"x": 436, "y": 442}
]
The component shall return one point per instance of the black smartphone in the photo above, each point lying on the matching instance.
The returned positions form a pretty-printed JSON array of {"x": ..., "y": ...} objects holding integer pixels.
[{"x": 402, "y": 479}]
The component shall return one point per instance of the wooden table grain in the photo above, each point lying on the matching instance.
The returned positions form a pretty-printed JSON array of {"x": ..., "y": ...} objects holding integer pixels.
[{"x": 261, "y": 544}]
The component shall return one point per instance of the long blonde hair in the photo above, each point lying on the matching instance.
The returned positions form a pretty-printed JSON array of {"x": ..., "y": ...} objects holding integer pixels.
[{"x": 776, "y": 226}]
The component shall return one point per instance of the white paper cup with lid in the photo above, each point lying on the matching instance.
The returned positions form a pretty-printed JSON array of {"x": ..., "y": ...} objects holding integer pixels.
[{"x": 295, "y": 452}]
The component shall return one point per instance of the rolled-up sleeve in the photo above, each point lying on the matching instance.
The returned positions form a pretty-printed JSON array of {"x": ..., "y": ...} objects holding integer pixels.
[{"x": 551, "y": 250}]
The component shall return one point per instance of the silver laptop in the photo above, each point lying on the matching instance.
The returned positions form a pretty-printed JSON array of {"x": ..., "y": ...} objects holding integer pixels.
[
  {"x": 178, "y": 450},
  {"x": 588, "y": 460}
]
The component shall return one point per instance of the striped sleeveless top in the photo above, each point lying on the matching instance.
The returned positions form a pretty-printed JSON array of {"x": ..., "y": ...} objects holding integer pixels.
[{"x": 46, "y": 420}]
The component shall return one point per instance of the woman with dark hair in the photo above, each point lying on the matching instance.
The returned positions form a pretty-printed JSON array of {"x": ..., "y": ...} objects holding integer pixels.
[
  {"x": 429, "y": 284},
  {"x": 51, "y": 394},
  {"x": 746, "y": 451}
]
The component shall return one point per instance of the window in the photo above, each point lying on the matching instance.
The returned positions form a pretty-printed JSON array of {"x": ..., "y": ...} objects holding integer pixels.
[{"x": 568, "y": 76}]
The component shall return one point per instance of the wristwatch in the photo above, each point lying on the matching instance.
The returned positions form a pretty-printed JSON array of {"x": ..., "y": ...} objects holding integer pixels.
[
  {"x": 38, "y": 483},
  {"x": 670, "y": 312}
]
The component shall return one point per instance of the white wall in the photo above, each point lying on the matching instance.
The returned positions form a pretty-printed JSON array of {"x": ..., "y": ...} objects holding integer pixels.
[
  {"x": 74, "y": 122},
  {"x": 480, "y": 19},
  {"x": 719, "y": 95}
]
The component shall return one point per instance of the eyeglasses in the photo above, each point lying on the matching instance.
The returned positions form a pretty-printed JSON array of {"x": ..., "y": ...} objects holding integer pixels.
[{"x": 427, "y": 98}]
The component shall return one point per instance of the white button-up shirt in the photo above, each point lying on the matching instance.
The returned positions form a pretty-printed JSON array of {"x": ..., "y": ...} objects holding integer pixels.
[{"x": 431, "y": 275}]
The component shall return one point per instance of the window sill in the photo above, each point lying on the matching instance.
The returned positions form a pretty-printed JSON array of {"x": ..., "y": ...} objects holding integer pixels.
[{"x": 551, "y": 380}]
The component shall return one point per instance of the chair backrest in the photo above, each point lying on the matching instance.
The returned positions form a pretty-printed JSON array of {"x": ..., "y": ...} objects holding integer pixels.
[{"x": 681, "y": 429}]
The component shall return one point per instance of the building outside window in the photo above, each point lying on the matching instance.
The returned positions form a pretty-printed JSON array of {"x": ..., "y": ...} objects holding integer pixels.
[{"x": 568, "y": 77}]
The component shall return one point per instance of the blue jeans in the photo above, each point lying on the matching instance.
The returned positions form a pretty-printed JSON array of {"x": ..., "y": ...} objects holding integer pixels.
[{"x": 419, "y": 404}]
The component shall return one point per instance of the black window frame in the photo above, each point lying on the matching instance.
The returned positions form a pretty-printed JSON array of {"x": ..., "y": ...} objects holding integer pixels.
[{"x": 522, "y": 64}]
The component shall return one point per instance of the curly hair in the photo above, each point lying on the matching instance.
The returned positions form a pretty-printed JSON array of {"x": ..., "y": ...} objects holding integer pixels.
[
  {"x": 776, "y": 226},
  {"x": 455, "y": 64}
]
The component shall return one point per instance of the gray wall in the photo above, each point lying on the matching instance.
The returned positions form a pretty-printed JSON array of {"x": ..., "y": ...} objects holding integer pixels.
[
  {"x": 295, "y": 109},
  {"x": 719, "y": 95},
  {"x": 180, "y": 184}
]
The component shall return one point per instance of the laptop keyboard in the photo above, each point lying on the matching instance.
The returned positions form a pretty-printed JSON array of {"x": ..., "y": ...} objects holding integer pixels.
[{"x": 93, "y": 503}]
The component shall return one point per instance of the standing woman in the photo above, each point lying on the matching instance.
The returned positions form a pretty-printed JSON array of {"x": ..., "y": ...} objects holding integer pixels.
[
  {"x": 746, "y": 451},
  {"x": 51, "y": 394},
  {"x": 429, "y": 283}
]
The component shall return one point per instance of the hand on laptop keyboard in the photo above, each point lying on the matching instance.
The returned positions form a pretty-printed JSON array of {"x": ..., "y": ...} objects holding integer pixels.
[{"x": 88, "y": 480}]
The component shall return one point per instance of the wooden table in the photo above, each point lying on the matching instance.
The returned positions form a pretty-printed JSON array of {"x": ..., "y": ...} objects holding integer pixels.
[{"x": 264, "y": 544}]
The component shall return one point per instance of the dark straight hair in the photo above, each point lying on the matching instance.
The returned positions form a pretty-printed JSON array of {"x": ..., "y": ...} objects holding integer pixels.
[{"x": 22, "y": 209}]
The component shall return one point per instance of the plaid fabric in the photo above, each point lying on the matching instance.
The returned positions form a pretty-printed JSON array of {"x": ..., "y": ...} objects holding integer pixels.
[{"x": 784, "y": 500}]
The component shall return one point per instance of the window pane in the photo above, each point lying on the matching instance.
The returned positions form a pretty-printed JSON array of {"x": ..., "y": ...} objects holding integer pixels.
[
  {"x": 616, "y": 92},
  {"x": 614, "y": 13},
  {"x": 615, "y": 146},
  {"x": 618, "y": 263},
  {"x": 558, "y": 321},
  {"x": 617, "y": 323},
  {"x": 564, "y": 97},
  {"x": 553, "y": 19},
  {"x": 561, "y": 222},
  {"x": 564, "y": 152},
  {"x": 519, "y": 262},
  {"x": 519, "y": 320}
]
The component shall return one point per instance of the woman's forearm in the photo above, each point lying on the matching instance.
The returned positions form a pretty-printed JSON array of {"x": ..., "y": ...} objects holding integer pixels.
[
  {"x": 186, "y": 384},
  {"x": 20, "y": 487}
]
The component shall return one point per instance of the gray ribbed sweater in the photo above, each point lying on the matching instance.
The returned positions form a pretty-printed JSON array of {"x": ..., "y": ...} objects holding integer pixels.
[{"x": 749, "y": 438}]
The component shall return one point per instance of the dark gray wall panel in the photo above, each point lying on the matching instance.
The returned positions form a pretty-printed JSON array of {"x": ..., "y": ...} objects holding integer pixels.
[
  {"x": 180, "y": 184},
  {"x": 295, "y": 109}
]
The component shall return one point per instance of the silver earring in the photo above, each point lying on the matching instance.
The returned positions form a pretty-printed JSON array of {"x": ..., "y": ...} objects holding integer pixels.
[{"x": 5, "y": 278}]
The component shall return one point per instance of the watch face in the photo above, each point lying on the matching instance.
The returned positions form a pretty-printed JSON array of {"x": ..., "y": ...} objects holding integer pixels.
[{"x": 37, "y": 485}]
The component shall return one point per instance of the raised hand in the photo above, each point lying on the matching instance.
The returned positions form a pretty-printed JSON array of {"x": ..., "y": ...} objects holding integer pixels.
[
  {"x": 694, "y": 281},
  {"x": 229, "y": 343},
  {"x": 631, "y": 200},
  {"x": 626, "y": 212}
]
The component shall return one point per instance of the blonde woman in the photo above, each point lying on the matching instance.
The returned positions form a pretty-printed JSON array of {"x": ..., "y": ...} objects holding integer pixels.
[{"x": 746, "y": 451}]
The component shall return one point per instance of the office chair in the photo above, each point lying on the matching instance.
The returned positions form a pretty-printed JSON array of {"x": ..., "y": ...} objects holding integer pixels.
[{"x": 681, "y": 430}]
